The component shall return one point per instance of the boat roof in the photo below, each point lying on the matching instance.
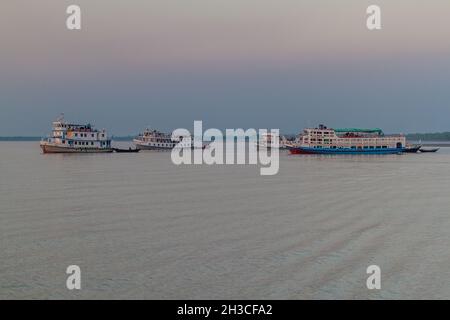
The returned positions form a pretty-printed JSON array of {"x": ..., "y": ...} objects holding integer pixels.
[{"x": 344, "y": 130}]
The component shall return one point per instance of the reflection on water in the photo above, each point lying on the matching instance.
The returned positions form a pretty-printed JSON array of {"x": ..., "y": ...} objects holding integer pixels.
[{"x": 140, "y": 227}]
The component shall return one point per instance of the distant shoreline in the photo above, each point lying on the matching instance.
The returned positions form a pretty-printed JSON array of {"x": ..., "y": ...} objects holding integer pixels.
[
  {"x": 32, "y": 138},
  {"x": 430, "y": 139},
  {"x": 20, "y": 138}
]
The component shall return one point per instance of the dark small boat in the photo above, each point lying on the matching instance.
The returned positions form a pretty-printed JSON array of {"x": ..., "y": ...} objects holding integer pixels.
[
  {"x": 129, "y": 150},
  {"x": 429, "y": 150},
  {"x": 412, "y": 149}
]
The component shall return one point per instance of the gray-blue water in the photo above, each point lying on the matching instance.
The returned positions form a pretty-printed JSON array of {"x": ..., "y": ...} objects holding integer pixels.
[{"x": 141, "y": 227}]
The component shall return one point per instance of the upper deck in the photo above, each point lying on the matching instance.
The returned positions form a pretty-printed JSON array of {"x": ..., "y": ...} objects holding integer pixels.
[
  {"x": 350, "y": 138},
  {"x": 63, "y": 130}
]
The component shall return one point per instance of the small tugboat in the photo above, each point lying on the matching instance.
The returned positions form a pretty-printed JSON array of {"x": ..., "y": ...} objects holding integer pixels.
[
  {"x": 129, "y": 150},
  {"x": 429, "y": 150},
  {"x": 75, "y": 138},
  {"x": 323, "y": 140}
]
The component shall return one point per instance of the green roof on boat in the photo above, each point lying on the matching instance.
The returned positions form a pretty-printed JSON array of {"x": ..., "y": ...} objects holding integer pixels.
[{"x": 375, "y": 130}]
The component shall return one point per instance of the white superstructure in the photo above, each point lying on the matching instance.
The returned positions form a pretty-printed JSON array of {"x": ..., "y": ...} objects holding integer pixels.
[
  {"x": 75, "y": 138},
  {"x": 156, "y": 140},
  {"x": 267, "y": 140}
]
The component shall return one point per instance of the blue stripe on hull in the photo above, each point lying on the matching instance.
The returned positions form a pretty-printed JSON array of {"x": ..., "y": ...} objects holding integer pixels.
[{"x": 347, "y": 151}]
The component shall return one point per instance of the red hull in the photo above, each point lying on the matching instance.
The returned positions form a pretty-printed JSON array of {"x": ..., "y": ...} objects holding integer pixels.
[{"x": 300, "y": 151}]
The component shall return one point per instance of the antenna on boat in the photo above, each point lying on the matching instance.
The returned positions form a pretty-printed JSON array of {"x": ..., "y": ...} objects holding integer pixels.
[{"x": 60, "y": 118}]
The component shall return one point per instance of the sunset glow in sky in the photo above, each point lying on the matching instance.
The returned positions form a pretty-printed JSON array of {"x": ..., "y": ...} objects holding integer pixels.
[{"x": 232, "y": 63}]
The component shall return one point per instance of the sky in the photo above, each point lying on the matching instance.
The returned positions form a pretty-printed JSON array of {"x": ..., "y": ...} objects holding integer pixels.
[{"x": 286, "y": 64}]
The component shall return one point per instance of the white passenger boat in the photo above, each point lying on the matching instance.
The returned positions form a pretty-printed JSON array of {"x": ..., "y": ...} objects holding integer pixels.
[
  {"x": 75, "y": 138},
  {"x": 323, "y": 140},
  {"x": 156, "y": 140},
  {"x": 267, "y": 139}
]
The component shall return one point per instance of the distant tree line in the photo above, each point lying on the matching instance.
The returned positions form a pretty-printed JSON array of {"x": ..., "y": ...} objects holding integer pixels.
[
  {"x": 20, "y": 138},
  {"x": 32, "y": 138},
  {"x": 438, "y": 136}
]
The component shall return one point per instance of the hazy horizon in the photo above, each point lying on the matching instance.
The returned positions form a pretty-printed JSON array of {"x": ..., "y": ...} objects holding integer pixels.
[{"x": 233, "y": 64}]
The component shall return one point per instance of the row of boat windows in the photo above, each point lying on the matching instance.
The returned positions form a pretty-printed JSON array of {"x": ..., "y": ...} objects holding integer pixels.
[
  {"x": 320, "y": 140},
  {"x": 354, "y": 147},
  {"x": 164, "y": 144},
  {"x": 73, "y": 127},
  {"x": 160, "y": 140},
  {"x": 326, "y": 141},
  {"x": 59, "y": 133},
  {"x": 85, "y": 135},
  {"x": 168, "y": 144},
  {"x": 83, "y": 143},
  {"x": 322, "y": 132}
]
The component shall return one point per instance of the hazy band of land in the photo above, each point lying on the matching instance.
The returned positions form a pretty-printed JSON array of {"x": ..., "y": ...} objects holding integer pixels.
[{"x": 437, "y": 138}]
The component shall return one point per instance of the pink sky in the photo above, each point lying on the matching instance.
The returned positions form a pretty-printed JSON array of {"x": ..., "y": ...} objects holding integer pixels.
[
  {"x": 183, "y": 33},
  {"x": 313, "y": 60}
]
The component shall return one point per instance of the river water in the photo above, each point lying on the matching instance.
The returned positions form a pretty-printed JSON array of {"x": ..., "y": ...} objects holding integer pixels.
[{"x": 140, "y": 227}]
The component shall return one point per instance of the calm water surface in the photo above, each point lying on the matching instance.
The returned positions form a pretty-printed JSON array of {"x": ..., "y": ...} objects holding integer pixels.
[{"x": 141, "y": 227}]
